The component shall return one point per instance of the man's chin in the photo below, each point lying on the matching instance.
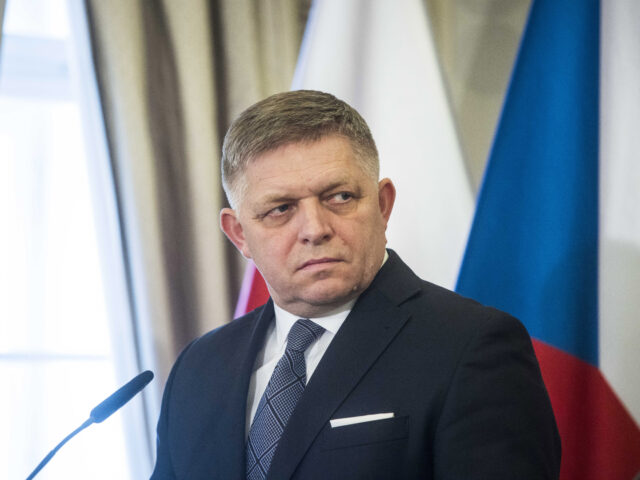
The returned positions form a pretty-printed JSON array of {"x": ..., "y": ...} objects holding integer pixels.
[{"x": 321, "y": 303}]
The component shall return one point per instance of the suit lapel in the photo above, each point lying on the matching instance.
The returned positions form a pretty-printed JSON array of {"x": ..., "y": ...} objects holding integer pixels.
[
  {"x": 370, "y": 327},
  {"x": 226, "y": 457}
]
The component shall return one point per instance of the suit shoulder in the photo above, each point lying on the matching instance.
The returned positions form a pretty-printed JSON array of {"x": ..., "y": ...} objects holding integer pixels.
[
  {"x": 436, "y": 308},
  {"x": 226, "y": 338},
  {"x": 231, "y": 329},
  {"x": 447, "y": 299},
  {"x": 458, "y": 314}
]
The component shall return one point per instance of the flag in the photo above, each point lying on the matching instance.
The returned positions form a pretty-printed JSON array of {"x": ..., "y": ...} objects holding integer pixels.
[
  {"x": 253, "y": 292},
  {"x": 379, "y": 56},
  {"x": 534, "y": 246}
]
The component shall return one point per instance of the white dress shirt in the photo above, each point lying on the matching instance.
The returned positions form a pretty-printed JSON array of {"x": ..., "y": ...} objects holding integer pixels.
[{"x": 276, "y": 343}]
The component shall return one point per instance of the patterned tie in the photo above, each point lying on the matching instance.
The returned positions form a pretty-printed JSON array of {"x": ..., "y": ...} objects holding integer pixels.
[{"x": 280, "y": 398}]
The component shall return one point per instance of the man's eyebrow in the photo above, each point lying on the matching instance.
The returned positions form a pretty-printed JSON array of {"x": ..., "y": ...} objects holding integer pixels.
[
  {"x": 276, "y": 198},
  {"x": 334, "y": 185}
]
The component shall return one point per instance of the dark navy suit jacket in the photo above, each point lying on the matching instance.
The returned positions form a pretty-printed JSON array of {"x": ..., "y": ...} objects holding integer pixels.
[{"x": 461, "y": 379}]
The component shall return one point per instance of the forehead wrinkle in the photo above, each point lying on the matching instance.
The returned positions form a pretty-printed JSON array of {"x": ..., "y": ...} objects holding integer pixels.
[{"x": 301, "y": 168}]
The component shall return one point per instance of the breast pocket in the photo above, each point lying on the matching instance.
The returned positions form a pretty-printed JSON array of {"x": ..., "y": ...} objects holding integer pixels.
[{"x": 377, "y": 431}]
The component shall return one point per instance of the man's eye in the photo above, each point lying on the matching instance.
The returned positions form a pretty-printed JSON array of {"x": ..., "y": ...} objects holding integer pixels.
[
  {"x": 342, "y": 197},
  {"x": 278, "y": 211}
]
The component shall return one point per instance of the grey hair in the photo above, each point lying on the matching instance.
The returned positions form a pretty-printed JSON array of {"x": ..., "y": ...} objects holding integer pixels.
[{"x": 298, "y": 116}]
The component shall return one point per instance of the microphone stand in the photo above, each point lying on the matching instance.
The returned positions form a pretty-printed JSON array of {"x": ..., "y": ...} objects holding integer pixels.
[
  {"x": 102, "y": 411},
  {"x": 46, "y": 459}
]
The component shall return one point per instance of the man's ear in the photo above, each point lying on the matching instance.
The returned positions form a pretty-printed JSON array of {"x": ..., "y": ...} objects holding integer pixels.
[
  {"x": 232, "y": 228},
  {"x": 386, "y": 198}
]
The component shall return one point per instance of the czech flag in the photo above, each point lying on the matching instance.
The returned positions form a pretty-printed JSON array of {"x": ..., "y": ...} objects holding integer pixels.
[{"x": 556, "y": 238}]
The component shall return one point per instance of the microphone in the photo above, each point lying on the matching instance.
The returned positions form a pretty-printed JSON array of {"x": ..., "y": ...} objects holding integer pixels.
[
  {"x": 102, "y": 411},
  {"x": 121, "y": 396}
]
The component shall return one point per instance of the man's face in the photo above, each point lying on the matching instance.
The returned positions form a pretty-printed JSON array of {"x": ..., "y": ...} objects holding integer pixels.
[{"x": 313, "y": 222}]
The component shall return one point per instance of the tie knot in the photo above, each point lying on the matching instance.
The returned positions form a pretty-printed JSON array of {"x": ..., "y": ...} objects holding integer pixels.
[{"x": 302, "y": 334}]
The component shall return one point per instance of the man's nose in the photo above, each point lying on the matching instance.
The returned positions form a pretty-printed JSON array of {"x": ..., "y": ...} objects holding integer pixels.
[{"x": 315, "y": 226}]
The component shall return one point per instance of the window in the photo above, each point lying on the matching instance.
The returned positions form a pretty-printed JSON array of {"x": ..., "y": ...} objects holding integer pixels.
[{"x": 59, "y": 355}]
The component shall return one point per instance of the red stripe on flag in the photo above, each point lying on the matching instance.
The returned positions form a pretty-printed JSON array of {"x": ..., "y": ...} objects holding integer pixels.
[
  {"x": 253, "y": 293},
  {"x": 599, "y": 437}
]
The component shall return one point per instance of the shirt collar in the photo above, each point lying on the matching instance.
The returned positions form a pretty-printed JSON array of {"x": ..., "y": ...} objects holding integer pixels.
[{"x": 330, "y": 322}]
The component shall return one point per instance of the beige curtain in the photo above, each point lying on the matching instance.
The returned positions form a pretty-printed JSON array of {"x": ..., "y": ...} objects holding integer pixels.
[{"x": 171, "y": 76}]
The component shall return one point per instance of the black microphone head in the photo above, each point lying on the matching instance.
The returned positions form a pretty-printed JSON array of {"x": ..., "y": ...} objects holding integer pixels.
[{"x": 120, "y": 397}]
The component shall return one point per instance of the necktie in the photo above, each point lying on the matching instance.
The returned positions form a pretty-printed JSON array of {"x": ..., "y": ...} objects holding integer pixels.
[{"x": 280, "y": 398}]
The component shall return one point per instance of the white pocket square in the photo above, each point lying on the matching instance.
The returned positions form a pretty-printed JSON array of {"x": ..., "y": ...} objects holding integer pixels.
[{"x": 341, "y": 422}]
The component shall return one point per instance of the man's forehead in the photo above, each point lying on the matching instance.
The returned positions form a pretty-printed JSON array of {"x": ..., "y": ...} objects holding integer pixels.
[
  {"x": 298, "y": 169},
  {"x": 280, "y": 191},
  {"x": 284, "y": 173}
]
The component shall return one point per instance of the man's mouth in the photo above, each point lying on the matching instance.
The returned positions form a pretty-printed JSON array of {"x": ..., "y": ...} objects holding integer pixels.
[{"x": 317, "y": 261}]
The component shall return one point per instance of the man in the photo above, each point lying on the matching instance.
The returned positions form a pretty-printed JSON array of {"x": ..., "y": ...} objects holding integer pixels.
[{"x": 355, "y": 368}]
